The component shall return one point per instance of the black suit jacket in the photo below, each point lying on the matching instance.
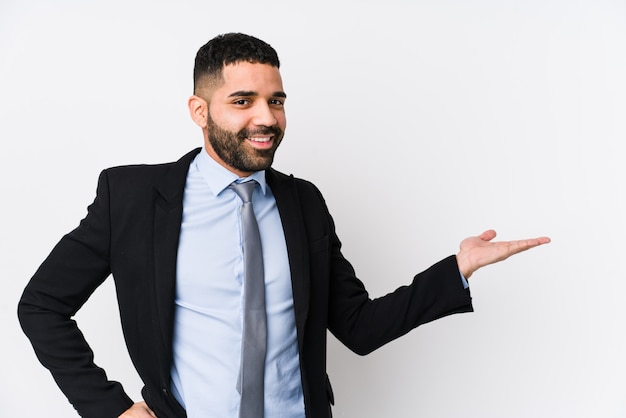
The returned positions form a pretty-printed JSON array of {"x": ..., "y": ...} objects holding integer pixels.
[{"x": 131, "y": 231}]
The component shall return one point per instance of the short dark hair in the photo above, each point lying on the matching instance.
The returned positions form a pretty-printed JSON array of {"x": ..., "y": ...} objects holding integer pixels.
[{"x": 231, "y": 48}]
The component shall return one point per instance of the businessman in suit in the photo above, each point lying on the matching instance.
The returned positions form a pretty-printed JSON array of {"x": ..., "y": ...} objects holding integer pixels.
[{"x": 170, "y": 236}]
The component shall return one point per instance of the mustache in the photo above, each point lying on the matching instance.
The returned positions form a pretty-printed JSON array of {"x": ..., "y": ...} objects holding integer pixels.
[{"x": 264, "y": 130}]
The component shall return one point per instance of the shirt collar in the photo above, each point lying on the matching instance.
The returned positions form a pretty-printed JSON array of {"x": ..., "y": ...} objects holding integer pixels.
[{"x": 219, "y": 178}]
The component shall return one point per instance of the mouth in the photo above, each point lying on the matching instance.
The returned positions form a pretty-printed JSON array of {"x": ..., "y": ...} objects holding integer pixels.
[{"x": 261, "y": 141}]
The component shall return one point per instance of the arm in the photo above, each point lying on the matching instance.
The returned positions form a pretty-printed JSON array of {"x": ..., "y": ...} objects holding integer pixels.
[
  {"x": 77, "y": 265},
  {"x": 365, "y": 324}
]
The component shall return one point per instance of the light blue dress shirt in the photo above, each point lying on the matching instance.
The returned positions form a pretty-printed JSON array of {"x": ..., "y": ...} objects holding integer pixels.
[{"x": 208, "y": 315}]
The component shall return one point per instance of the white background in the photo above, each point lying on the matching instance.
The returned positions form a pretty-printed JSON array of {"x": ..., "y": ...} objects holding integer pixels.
[{"x": 422, "y": 122}]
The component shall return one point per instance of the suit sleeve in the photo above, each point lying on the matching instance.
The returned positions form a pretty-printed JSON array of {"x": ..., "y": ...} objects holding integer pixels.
[
  {"x": 77, "y": 265},
  {"x": 364, "y": 324}
]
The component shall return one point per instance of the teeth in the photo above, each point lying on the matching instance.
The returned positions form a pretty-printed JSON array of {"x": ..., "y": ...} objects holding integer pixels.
[{"x": 259, "y": 139}]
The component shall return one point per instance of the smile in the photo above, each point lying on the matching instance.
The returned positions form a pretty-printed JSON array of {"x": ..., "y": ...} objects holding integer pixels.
[
  {"x": 263, "y": 139},
  {"x": 261, "y": 142}
]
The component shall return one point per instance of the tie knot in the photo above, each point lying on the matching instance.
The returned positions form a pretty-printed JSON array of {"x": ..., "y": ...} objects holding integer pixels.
[{"x": 244, "y": 190}]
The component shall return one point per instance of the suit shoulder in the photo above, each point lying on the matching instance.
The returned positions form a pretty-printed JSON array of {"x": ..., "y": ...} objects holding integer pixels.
[
  {"x": 149, "y": 172},
  {"x": 132, "y": 170},
  {"x": 303, "y": 185}
]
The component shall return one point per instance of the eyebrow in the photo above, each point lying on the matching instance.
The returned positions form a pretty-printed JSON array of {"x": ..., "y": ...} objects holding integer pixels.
[{"x": 250, "y": 93}]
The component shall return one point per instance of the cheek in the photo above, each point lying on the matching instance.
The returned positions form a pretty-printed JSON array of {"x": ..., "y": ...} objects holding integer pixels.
[
  {"x": 281, "y": 120},
  {"x": 231, "y": 121}
]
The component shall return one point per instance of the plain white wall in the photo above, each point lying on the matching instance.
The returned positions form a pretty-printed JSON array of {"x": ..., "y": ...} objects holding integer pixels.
[{"x": 422, "y": 122}]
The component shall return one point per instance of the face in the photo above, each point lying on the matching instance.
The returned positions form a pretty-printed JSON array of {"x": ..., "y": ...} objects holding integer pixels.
[{"x": 244, "y": 119}]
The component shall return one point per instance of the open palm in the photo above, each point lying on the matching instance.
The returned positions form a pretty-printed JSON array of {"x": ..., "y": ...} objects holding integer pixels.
[{"x": 479, "y": 251}]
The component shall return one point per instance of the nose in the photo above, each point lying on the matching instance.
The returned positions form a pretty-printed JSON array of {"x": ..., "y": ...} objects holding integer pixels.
[{"x": 264, "y": 115}]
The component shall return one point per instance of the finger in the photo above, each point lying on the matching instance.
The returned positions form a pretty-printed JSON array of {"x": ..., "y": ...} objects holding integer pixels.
[
  {"x": 148, "y": 410},
  {"x": 139, "y": 409},
  {"x": 488, "y": 235},
  {"x": 544, "y": 240},
  {"x": 523, "y": 245},
  {"x": 537, "y": 241}
]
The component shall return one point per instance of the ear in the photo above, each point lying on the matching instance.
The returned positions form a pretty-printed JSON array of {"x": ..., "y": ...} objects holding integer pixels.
[{"x": 199, "y": 110}]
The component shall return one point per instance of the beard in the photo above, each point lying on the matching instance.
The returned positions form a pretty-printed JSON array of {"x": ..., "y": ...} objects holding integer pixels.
[{"x": 232, "y": 149}]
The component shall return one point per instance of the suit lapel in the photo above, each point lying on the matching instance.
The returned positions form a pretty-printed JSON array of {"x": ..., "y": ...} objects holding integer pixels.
[
  {"x": 288, "y": 203},
  {"x": 168, "y": 212}
]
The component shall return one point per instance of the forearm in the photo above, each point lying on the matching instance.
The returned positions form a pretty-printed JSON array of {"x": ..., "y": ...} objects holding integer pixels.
[
  {"x": 61, "y": 348},
  {"x": 365, "y": 324}
]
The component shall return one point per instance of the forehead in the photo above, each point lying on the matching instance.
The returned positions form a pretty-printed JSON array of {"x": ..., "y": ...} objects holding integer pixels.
[{"x": 261, "y": 78}]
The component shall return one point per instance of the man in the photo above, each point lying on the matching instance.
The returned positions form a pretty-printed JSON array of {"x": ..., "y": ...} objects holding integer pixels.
[{"x": 174, "y": 238}]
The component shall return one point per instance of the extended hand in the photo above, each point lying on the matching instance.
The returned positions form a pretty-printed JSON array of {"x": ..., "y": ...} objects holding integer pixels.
[
  {"x": 477, "y": 252},
  {"x": 138, "y": 410}
]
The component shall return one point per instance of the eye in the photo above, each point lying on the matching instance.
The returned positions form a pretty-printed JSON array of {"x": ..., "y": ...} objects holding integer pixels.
[
  {"x": 277, "y": 102},
  {"x": 242, "y": 102}
]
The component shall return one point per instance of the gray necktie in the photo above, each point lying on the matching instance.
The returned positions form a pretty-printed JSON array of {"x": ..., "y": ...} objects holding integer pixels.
[{"x": 252, "y": 369}]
